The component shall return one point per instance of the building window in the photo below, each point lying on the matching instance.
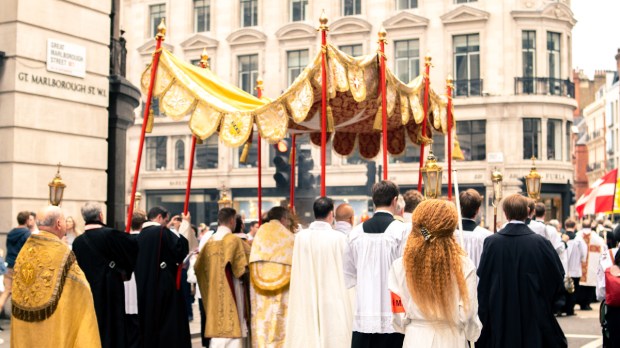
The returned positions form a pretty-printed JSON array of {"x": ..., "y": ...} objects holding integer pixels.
[
  {"x": 207, "y": 153},
  {"x": 154, "y": 107},
  {"x": 528, "y": 44},
  {"x": 472, "y": 138},
  {"x": 156, "y": 153},
  {"x": 157, "y": 13},
  {"x": 298, "y": 10},
  {"x": 439, "y": 146},
  {"x": 531, "y": 138},
  {"x": 352, "y": 50},
  {"x": 467, "y": 64},
  {"x": 351, "y": 7},
  {"x": 249, "y": 13},
  {"x": 410, "y": 155},
  {"x": 252, "y": 160},
  {"x": 202, "y": 15},
  {"x": 407, "y": 59},
  {"x": 248, "y": 72},
  {"x": 553, "y": 58},
  {"x": 179, "y": 152},
  {"x": 297, "y": 61},
  {"x": 554, "y": 140},
  {"x": 406, "y": 4}
]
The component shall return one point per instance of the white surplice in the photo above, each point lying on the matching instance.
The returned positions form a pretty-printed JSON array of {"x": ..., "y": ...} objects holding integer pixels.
[
  {"x": 319, "y": 311},
  {"x": 473, "y": 241},
  {"x": 595, "y": 248},
  {"x": 421, "y": 333},
  {"x": 368, "y": 258}
]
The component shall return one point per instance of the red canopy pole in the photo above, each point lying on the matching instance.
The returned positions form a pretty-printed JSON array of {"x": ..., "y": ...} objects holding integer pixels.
[
  {"x": 161, "y": 33},
  {"x": 449, "y": 113},
  {"x": 259, "y": 94},
  {"x": 323, "y": 29},
  {"x": 204, "y": 63},
  {"x": 427, "y": 68},
  {"x": 293, "y": 160},
  {"x": 382, "y": 42}
]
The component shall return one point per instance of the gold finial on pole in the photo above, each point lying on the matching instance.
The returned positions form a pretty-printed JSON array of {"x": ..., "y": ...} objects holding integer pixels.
[
  {"x": 450, "y": 81},
  {"x": 382, "y": 35},
  {"x": 323, "y": 20},
  {"x": 259, "y": 83},
  {"x": 161, "y": 29},
  {"x": 428, "y": 59},
  {"x": 204, "y": 58}
]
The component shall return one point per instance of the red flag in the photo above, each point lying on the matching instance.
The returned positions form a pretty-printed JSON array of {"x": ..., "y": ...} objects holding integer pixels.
[{"x": 599, "y": 198}]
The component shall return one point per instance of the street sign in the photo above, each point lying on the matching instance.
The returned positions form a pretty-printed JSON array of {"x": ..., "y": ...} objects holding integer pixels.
[{"x": 66, "y": 58}]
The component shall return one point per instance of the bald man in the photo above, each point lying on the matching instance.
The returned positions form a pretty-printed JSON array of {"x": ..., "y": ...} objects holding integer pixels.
[
  {"x": 62, "y": 314},
  {"x": 345, "y": 217}
]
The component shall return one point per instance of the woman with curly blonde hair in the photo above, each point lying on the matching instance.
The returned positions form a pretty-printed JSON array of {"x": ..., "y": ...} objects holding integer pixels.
[{"x": 434, "y": 298}]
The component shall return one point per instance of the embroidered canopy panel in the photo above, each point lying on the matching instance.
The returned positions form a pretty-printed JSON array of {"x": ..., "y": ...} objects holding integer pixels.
[{"x": 353, "y": 105}]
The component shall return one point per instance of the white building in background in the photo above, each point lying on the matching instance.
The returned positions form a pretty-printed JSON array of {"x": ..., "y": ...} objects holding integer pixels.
[{"x": 511, "y": 61}]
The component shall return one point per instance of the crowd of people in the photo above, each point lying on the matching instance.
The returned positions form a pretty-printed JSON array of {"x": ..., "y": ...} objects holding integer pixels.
[{"x": 406, "y": 277}]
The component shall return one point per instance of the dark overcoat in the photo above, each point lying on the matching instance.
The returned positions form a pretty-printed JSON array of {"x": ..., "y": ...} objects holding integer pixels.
[{"x": 520, "y": 277}]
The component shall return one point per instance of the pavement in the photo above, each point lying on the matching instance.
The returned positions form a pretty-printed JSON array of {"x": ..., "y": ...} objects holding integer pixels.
[{"x": 582, "y": 330}]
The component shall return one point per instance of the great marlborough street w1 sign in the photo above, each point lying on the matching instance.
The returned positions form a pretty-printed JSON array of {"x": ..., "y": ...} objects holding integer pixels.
[{"x": 66, "y": 58}]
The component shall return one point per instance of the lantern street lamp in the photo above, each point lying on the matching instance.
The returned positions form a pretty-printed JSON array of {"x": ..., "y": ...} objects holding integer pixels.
[
  {"x": 224, "y": 201},
  {"x": 496, "y": 178},
  {"x": 431, "y": 174},
  {"x": 533, "y": 182},
  {"x": 57, "y": 188}
]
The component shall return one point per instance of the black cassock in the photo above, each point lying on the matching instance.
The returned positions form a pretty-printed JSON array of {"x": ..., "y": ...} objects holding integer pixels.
[
  {"x": 520, "y": 277},
  {"x": 161, "y": 306},
  {"x": 107, "y": 256}
]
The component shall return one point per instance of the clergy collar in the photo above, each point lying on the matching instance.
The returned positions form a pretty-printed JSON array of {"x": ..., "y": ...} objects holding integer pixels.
[
  {"x": 221, "y": 229},
  {"x": 320, "y": 225},
  {"x": 469, "y": 225},
  {"x": 517, "y": 222},
  {"x": 383, "y": 211},
  {"x": 150, "y": 223}
]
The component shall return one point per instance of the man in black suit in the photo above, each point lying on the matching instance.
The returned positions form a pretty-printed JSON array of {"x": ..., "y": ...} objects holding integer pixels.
[{"x": 520, "y": 277}]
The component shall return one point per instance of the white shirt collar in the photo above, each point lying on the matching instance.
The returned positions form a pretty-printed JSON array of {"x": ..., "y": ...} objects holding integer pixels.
[
  {"x": 343, "y": 226},
  {"x": 150, "y": 223},
  {"x": 320, "y": 225},
  {"x": 383, "y": 211},
  {"x": 516, "y": 222}
]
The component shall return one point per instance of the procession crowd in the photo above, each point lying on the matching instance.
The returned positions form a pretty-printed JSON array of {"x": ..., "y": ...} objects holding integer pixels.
[{"x": 413, "y": 275}]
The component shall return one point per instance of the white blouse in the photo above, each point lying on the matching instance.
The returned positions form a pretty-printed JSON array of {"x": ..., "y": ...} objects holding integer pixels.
[{"x": 422, "y": 333}]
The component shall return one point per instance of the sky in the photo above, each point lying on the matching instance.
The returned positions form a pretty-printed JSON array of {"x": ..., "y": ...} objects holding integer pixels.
[{"x": 596, "y": 36}]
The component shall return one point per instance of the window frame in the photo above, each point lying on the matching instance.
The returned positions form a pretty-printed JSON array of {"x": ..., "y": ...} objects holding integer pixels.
[
  {"x": 300, "y": 66},
  {"x": 409, "y": 5},
  {"x": 467, "y": 139},
  {"x": 152, "y": 161},
  {"x": 469, "y": 55},
  {"x": 179, "y": 155},
  {"x": 356, "y": 10},
  {"x": 556, "y": 124},
  {"x": 538, "y": 142},
  {"x": 206, "y": 5},
  {"x": 350, "y": 49},
  {"x": 410, "y": 59},
  {"x": 253, "y": 13},
  {"x": 154, "y": 21},
  {"x": 253, "y": 74},
  {"x": 210, "y": 143},
  {"x": 304, "y": 4}
]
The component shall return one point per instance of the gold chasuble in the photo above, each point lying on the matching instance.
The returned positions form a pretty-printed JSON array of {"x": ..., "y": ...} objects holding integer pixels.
[
  {"x": 52, "y": 302},
  {"x": 270, "y": 271},
  {"x": 217, "y": 263}
]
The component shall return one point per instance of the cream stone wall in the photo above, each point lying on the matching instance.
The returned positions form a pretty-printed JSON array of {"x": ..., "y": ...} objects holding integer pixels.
[
  {"x": 433, "y": 23},
  {"x": 42, "y": 125}
]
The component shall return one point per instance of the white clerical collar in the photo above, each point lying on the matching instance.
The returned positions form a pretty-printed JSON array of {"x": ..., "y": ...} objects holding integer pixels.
[
  {"x": 320, "y": 225},
  {"x": 223, "y": 229},
  {"x": 383, "y": 211},
  {"x": 517, "y": 222},
  {"x": 150, "y": 223}
]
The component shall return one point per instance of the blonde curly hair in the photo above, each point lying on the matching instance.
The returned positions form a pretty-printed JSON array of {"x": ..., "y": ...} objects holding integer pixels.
[{"x": 432, "y": 261}]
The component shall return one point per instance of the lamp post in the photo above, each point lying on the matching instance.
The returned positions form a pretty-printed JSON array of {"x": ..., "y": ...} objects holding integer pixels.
[
  {"x": 496, "y": 178},
  {"x": 57, "y": 188},
  {"x": 533, "y": 182},
  {"x": 431, "y": 175},
  {"x": 224, "y": 201}
]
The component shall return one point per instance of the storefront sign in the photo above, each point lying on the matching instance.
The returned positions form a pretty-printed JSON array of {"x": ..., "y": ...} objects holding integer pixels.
[{"x": 66, "y": 58}]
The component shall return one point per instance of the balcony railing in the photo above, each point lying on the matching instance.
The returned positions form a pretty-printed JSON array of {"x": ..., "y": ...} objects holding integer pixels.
[
  {"x": 544, "y": 86},
  {"x": 467, "y": 88}
]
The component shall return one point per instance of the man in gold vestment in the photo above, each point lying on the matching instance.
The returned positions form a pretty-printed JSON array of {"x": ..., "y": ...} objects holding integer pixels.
[
  {"x": 270, "y": 271},
  {"x": 52, "y": 302}
]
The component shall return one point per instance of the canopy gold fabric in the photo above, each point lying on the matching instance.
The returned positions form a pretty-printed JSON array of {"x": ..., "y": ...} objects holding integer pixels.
[{"x": 354, "y": 105}]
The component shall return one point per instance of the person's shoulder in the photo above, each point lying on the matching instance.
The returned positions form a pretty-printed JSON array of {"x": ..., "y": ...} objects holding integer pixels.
[{"x": 467, "y": 265}]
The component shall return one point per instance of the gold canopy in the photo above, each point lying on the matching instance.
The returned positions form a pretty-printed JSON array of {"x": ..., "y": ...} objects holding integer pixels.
[{"x": 354, "y": 105}]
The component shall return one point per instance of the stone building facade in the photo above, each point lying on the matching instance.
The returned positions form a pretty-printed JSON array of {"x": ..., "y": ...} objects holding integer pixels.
[{"x": 511, "y": 61}]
